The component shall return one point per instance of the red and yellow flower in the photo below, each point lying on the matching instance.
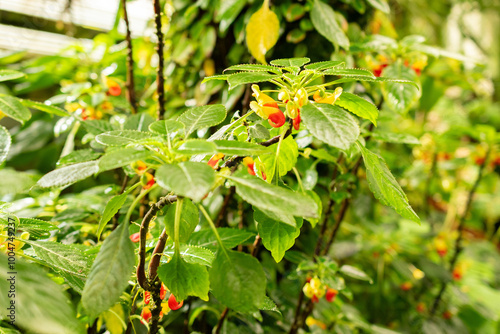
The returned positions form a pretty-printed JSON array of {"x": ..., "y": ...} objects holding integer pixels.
[{"x": 267, "y": 108}]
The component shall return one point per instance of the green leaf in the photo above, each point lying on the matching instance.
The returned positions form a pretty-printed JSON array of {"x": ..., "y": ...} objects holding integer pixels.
[
  {"x": 14, "y": 182},
  {"x": 192, "y": 254},
  {"x": 41, "y": 306},
  {"x": 98, "y": 126},
  {"x": 196, "y": 146},
  {"x": 121, "y": 137},
  {"x": 185, "y": 279},
  {"x": 230, "y": 237},
  {"x": 277, "y": 237},
  {"x": 350, "y": 72},
  {"x": 64, "y": 259},
  {"x": 227, "y": 12},
  {"x": 139, "y": 122},
  {"x": 330, "y": 124},
  {"x": 67, "y": 175},
  {"x": 244, "y": 78},
  {"x": 189, "y": 179},
  {"x": 5, "y": 142},
  {"x": 269, "y": 197},
  {"x": 216, "y": 77},
  {"x": 355, "y": 273},
  {"x": 358, "y": 106},
  {"x": 323, "y": 19},
  {"x": 398, "y": 96},
  {"x": 381, "y": 5},
  {"x": 189, "y": 220},
  {"x": 37, "y": 228},
  {"x": 269, "y": 305},
  {"x": 203, "y": 117},
  {"x": 112, "y": 207},
  {"x": 121, "y": 157},
  {"x": 6, "y": 75},
  {"x": 84, "y": 155},
  {"x": 12, "y": 107},
  {"x": 324, "y": 65},
  {"x": 397, "y": 138},
  {"x": 45, "y": 108},
  {"x": 254, "y": 68},
  {"x": 169, "y": 128},
  {"x": 110, "y": 272},
  {"x": 262, "y": 32},
  {"x": 288, "y": 153},
  {"x": 238, "y": 281},
  {"x": 384, "y": 186},
  {"x": 290, "y": 62},
  {"x": 233, "y": 147}
]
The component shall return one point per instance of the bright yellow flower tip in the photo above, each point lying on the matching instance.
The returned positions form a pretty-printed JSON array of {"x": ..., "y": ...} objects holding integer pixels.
[
  {"x": 330, "y": 98},
  {"x": 308, "y": 290},
  {"x": 301, "y": 97}
]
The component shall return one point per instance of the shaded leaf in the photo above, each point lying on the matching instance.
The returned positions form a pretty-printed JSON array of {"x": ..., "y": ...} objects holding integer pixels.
[
  {"x": 384, "y": 186},
  {"x": 41, "y": 305},
  {"x": 238, "y": 281},
  {"x": 185, "y": 279},
  {"x": 110, "y": 272},
  {"x": 276, "y": 236},
  {"x": 323, "y": 19},
  {"x": 12, "y": 107}
]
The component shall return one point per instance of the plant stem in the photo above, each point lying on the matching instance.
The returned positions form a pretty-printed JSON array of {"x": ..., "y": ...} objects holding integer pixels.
[
  {"x": 160, "y": 76},
  {"x": 130, "y": 62},
  {"x": 150, "y": 215},
  {"x": 458, "y": 242}
]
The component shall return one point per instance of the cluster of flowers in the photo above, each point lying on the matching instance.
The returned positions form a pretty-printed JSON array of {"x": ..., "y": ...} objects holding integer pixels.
[
  {"x": 315, "y": 289},
  {"x": 166, "y": 306}
]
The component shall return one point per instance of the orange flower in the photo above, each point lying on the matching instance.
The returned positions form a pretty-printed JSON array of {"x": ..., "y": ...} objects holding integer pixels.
[
  {"x": 406, "y": 286},
  {"x": 248, "y": 161},
  {"x": 214, "y": 160},
  {"x": 148, "y": 180},
  {"x": 146, "y": 315},
  {"x": 114, "y": 88},
  {"x": 173, "y": 304},
  {"x": 267, "y": 108},
  {"x": 331, "y": 294}
]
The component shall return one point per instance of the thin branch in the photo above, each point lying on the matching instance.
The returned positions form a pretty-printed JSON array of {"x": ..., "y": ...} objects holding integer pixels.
[
  {"x": 458, "y": 242},
  {"x": 130, "y": 62},
  {"x": 221, "y": 320},
  {"x": 225, "y": 205},
  {"x": 153, "y": 210},
  {"x": 156, "y": 257},
  {"x": 160, "y": 76}
]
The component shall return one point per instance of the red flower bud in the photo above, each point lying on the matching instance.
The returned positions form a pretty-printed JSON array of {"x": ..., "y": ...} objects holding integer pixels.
[
  {"x": 277, "y": 119},
  {"x": 147, "y": 297},
  {"x": 163, "y": 291},
  {"x": 146, "y": 315},
  {"x": 331, "y": 294},
  {"x": 173, "y": 304},
  {"x": 296, "y": 122},
  {"x": 135, "y": 237}
]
